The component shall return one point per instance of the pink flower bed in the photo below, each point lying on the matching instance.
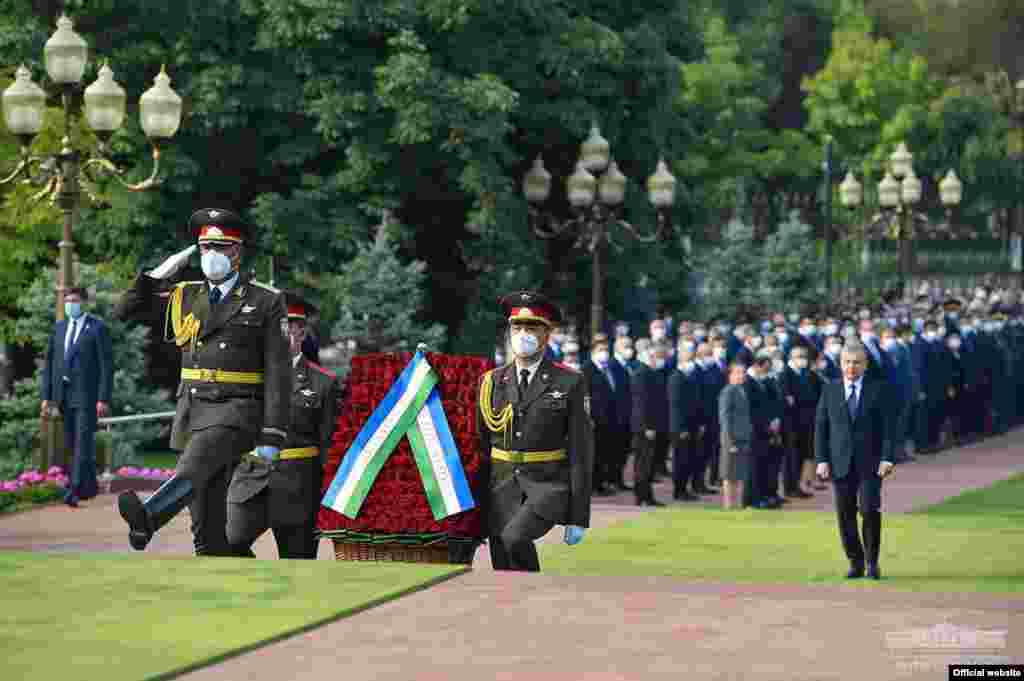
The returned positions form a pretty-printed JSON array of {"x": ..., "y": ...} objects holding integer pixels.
[
  {"x": 54, "y": 476},
  {"x": 147, "y": 473}
]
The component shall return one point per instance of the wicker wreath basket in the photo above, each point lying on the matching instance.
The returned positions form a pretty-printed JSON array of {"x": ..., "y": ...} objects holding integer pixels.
[{"x": 457, "y": 552}]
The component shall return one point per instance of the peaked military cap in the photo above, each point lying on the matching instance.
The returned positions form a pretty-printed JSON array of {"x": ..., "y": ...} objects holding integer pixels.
[
  {"x": 299, "y": 307},
  {"x": 528, "y": 306},
  {"x": 217, "y": 225}
]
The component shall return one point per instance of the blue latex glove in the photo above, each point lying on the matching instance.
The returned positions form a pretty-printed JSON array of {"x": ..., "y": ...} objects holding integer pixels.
[
  {"x": 268, "y": 453},
  {"x": 574, "y": 534}
]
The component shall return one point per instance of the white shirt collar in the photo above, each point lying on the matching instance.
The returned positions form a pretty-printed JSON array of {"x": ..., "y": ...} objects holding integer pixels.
[
  {"x": 859, "y": 383},
  {"x": 225, "y": 286},
  {"x": 77, "y": 325},
  {"x": 532, "y": 369}
]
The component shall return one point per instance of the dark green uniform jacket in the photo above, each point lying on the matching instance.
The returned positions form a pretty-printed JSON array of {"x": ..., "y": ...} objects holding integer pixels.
[
  {"x": 242, "y": 333},
  {"x": 295, "y": 483},
  {"x": 552, "y": 415}
]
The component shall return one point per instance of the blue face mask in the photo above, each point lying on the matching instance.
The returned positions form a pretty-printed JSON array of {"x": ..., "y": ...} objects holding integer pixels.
[{"x": 73, "y": 310}]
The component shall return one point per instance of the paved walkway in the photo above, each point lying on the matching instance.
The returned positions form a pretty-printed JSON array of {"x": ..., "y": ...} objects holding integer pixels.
[{"x": 488, "y": 625}]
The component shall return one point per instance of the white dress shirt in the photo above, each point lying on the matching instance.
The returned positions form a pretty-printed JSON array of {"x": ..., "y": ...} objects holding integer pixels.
[
  {"x": 77, "y": 325},
  {"x": 225, "y": 286},
  {"x": 532, "y": 369},
  {"x": 860, "y": 389}
]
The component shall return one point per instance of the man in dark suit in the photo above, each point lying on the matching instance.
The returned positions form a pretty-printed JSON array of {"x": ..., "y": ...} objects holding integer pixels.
[
  {"x": 686, "y": 423},
  {"x": 650, "y": 422},
  {"x": 852, "y": 447},
  {"x": 535, "y": 431},
  {"x": 284, "y": 495},
  {"x": 236, "y": 383},
  {"x": 801, "y": 391},
  {"x": 833, "y": 347},
  {"x": 78, "y": 379},
  {"x": 602, "y": 385}
]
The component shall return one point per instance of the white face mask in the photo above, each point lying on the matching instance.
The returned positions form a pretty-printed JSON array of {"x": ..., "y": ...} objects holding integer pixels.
[
  {"x": 719, "y": 353},
  {"x": 626, "y": 353},
  {"x": 800, "y": 363},
  {"x": 954, "y": 344},
  {"x": 778, "y": 364},
  {"x": 930, "y": 335},
  {"x": 889, "y": 343},
  {"x": 524, "y": 344},
  {"x": 601, "y": 357},
  {"x": 831, "y": 329},
  {"x": 657, "y": 333},
  {"x": 215, "y": 265},
  {"x": 834, "y": 350},
  {"x": 755, "y": 342}
]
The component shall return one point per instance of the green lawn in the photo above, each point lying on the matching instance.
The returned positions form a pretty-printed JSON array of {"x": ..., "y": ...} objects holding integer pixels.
[
  {"x": 973, "y": 542},
  {"x": 116, "y": 616}
]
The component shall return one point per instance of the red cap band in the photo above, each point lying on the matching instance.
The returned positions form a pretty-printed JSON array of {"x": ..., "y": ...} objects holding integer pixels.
[
  {"x": 296, "y": 311},
  {"x": 218, "y": 233}
]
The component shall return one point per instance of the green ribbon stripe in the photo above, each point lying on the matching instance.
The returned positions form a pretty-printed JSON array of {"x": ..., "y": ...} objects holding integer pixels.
[
  {"x": 422, "y": 456},
  {"x": 362, "y": 488}
]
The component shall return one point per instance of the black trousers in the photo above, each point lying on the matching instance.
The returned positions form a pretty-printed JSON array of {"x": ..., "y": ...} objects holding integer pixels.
[
  {"x": 800, "y": 448},
  {"x": 864, "y": 491},
  {"x": 685, "y": 453},
  {"x": 208, "y": 461},
  {"x": 648, "y": 453},
  {"x": 511, "y": 540},
  {"x": 712, "y": 443},
  {"x": 623, "y": 445},
  {"x": 80, "y": 438},
  {"x": 246, "y": 522},
  {"x": 606, "y": 456}
]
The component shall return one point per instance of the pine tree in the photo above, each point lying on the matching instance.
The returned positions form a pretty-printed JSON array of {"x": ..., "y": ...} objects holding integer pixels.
[
  {"x": 379, "y": 301},
  {"x": 732, "y": 273},
  {"x": 19, "y": 416},
  {"x": 793, "y": 274}
]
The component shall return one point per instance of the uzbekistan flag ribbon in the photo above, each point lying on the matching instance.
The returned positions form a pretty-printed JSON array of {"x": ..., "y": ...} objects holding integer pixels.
[{"x": 412, "y": 407}]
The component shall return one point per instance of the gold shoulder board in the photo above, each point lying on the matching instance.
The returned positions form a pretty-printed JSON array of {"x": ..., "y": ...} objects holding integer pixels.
[{"x": 265, "y": 287}]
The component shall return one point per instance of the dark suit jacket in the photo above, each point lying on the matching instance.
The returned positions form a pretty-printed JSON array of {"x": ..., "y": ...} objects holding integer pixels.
[
  {"x": 622, "y": 396},
  {"x": 551, "y": 415},
  {"x": 805, "y": 390},
  {"x": 685, "y": 402},
  {"x": 840, "y": 441},
  {"x": 602, "y": 398},
  {"x": 89, "y": 365},
  {"x": 650, "y": 400}
]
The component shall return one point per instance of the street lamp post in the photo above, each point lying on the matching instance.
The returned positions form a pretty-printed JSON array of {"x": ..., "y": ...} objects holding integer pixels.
[
  {"x": 64, "y": 174},
  {"x": 827, "y": 167},
  {"x": 898, "y": 192},
  {"x": 597, "y": 204}
]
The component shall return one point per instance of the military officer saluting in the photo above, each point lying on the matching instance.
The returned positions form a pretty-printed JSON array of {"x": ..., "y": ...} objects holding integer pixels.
[
  {"x": 235, "y": 378},
  {"x": 536, "y": 435},
  {"x": 284, "y": 494}
]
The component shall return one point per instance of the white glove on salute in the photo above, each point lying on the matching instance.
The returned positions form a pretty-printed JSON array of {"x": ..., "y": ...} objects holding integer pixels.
[{"x": 174, "y": 263}]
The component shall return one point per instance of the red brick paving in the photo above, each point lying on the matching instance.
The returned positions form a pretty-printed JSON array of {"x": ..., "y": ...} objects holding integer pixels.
[{"x": 488, "y": 625}]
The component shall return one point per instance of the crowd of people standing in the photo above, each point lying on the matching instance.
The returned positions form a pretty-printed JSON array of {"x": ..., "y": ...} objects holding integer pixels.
[{"x": 953, "y": 373}]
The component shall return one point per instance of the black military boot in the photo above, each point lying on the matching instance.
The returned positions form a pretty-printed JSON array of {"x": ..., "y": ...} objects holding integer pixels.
[{"x": 144, "y": 518}]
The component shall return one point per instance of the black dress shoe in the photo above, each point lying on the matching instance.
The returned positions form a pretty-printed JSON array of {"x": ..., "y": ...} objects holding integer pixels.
[
  {"x": 703, "y": 489},
  {"x": 624, "y": 487},
  {"x": 856, "y": 572},
  {"x": 134, "y": 513},
  {"x": 71, "y": 502},
  {"x": 653, "y": 502},
  {"x": 873, "y": 571},
  {"x": 686, "y": 496}
]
